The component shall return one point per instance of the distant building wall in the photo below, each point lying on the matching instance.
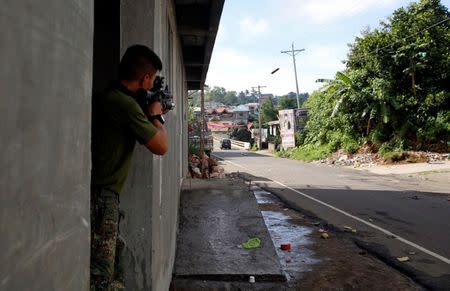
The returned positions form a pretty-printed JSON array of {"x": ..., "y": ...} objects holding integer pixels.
[
  {"x": 45, "y": 121},
  {"x": 241, "y": 116}
]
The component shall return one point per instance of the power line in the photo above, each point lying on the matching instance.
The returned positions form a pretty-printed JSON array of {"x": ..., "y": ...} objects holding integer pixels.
[
  {"x": 293, "y": 52},
  {"x": 259, "y": 114}
]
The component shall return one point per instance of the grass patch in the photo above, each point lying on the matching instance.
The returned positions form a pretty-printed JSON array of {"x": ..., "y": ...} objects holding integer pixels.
[{"x": 307, "y": 152}]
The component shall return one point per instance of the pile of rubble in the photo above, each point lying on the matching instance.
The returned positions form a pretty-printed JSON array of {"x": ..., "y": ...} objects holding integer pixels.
[
  {"x": 369, "y": 159},
  {"x": 205, "y": 168},
  {"x": 340, "y": 158}
]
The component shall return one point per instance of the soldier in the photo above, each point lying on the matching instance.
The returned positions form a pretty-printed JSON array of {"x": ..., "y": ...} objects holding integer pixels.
[{"x": 117, "y": 123}]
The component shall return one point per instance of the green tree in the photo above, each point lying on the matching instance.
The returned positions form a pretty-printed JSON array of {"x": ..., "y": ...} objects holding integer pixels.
[
  {"x": 287, "y": 102},
  {"x": 396, "y": 87},
  {"x": 217, "y": 94},
  {"x": 405, "y": 64},
  {"x": 230, "y": 98},
  {"x": 268, "y": 112},
  {"x": 242, "y": 99}
]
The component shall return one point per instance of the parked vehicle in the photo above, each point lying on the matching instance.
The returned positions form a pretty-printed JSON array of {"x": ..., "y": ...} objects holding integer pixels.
[{"x": 225, "y": 144}]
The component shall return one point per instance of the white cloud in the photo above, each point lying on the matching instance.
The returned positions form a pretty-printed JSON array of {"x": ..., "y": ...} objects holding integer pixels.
[
  {"x": 316, "y": 62},
  {"x": 235, "y": 70},
  {"x": 232, "y": 70},
  {"x": 250, "y": 26},
  {"x": 323, "y": 58},
  {"x": 328, "y": 11}
]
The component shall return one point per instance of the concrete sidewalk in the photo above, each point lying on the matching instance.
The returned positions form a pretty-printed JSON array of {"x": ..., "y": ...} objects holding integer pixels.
[{"x": 216, "y": 217}]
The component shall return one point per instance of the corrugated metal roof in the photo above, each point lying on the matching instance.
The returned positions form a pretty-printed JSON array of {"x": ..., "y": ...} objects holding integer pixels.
[{"x": 197, "y": 25}]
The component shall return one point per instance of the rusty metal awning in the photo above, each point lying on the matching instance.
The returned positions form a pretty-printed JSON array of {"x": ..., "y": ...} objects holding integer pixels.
[{"x": 198, "y": 22}]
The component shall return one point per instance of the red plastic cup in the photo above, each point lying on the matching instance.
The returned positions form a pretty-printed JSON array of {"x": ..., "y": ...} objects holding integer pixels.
[{"x": 286, "y": 247}]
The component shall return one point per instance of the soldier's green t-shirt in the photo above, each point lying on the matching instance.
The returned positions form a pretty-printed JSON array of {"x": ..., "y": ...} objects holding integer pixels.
[{"x": 117, "y": 123}]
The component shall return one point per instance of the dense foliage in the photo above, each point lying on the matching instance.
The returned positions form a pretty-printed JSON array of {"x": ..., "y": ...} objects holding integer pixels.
[
  {"x": 268, "y": 112},
  {"x": 241, "y": 134},
  {"x": 232, "y": 98},
  {"x": 395, "y": 91},
  {"x": 289, "y": 101},
  {"x": 221, "y": 95}
]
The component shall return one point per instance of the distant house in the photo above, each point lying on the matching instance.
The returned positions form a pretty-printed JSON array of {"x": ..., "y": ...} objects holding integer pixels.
[
  {"x": 220, "y": 118},
  {"x": 223, "y": 117},
  {"x": 222, "y": 114},
  {"x": 253, "y": 108},
  {"x": 213, "y": 104},
  {"x": 274, "y": 127},
  {"x": 240, "y": 114}
]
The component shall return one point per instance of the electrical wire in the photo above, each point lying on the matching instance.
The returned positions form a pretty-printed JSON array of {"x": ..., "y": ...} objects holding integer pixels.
[{"x": 406, "y": 38}]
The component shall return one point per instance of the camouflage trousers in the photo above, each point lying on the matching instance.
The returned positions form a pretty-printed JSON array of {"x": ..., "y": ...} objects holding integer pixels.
[{"x": 107, "y": 248}]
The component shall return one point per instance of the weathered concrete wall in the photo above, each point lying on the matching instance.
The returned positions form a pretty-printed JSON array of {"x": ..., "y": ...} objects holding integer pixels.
[
  {"x": 136, "y": 22},
  {"x": 167, "y": 185},
  {"x": 151, "y": 195},
  {"x": 45, "y": 114}
]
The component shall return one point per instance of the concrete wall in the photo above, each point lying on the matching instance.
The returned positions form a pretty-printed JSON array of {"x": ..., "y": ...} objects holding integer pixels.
[
  {"x": 172, "y": 167},
  {"x": 47, "y": 75},
  {"x": 136, "y": 22},
  {"x": 45, "y": 114}
]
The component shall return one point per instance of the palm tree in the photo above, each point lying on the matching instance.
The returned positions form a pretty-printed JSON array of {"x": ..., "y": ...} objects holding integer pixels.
[{"x": 377, "y": 103}]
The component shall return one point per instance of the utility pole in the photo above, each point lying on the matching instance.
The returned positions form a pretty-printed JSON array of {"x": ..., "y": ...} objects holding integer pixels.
[
  {"x": 202, "y": 126},
  {"x": 293, "y": 52},
  {"x": 259, "y": 114}
]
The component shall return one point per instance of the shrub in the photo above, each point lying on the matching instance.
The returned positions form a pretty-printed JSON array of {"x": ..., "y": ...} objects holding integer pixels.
[
  {"x": 300, "y": 137},
  {"x": 308, "y": 152},
  {"x": 194, "y": 149}
]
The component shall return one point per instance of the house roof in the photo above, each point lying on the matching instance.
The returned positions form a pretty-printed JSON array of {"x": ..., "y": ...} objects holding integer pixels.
[
  {"x": 241, "y": 108},
  {"x": 219, "y": 110},
  {"x": 197, "y": 25}
]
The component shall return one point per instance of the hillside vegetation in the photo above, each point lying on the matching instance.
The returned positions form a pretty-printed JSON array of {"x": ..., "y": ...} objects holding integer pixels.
[{"x": 394, "y": 94}]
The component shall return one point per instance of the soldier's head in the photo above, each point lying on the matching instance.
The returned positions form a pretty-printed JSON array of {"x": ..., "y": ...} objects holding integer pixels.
[{"x": 139, "y": 66}]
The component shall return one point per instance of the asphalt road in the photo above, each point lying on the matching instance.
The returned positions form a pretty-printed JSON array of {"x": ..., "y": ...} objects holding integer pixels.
[{"x": 386, "y": 210}]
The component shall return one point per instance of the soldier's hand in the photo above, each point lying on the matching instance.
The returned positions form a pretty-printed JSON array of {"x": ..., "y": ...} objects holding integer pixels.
[{"x": 154, "y": 108}]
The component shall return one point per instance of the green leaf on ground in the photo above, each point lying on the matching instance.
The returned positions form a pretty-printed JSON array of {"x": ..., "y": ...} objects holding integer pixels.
[{"x": 252, "y": 243}]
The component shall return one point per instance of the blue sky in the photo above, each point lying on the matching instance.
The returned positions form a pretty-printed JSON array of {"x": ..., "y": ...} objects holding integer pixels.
[{"x": 253, "y": 32}]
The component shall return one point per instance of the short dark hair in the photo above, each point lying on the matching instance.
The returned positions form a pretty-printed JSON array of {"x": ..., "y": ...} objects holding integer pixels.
[{"x": 137, "y": 61}]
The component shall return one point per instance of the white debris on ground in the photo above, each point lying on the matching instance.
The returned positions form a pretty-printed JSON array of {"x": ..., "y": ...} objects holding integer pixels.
[{"x": 368, "y": 159}]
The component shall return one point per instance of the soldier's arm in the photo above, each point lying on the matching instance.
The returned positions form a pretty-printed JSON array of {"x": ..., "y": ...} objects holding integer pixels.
[{"x": 157, "y": 144}]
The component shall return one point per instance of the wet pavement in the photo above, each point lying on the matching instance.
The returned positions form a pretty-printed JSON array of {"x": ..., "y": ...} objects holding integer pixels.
[
  {"x": 284, "y": 227},
  {"x": 323, "y": 264},
  {"x": 216, "y": 217}
]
